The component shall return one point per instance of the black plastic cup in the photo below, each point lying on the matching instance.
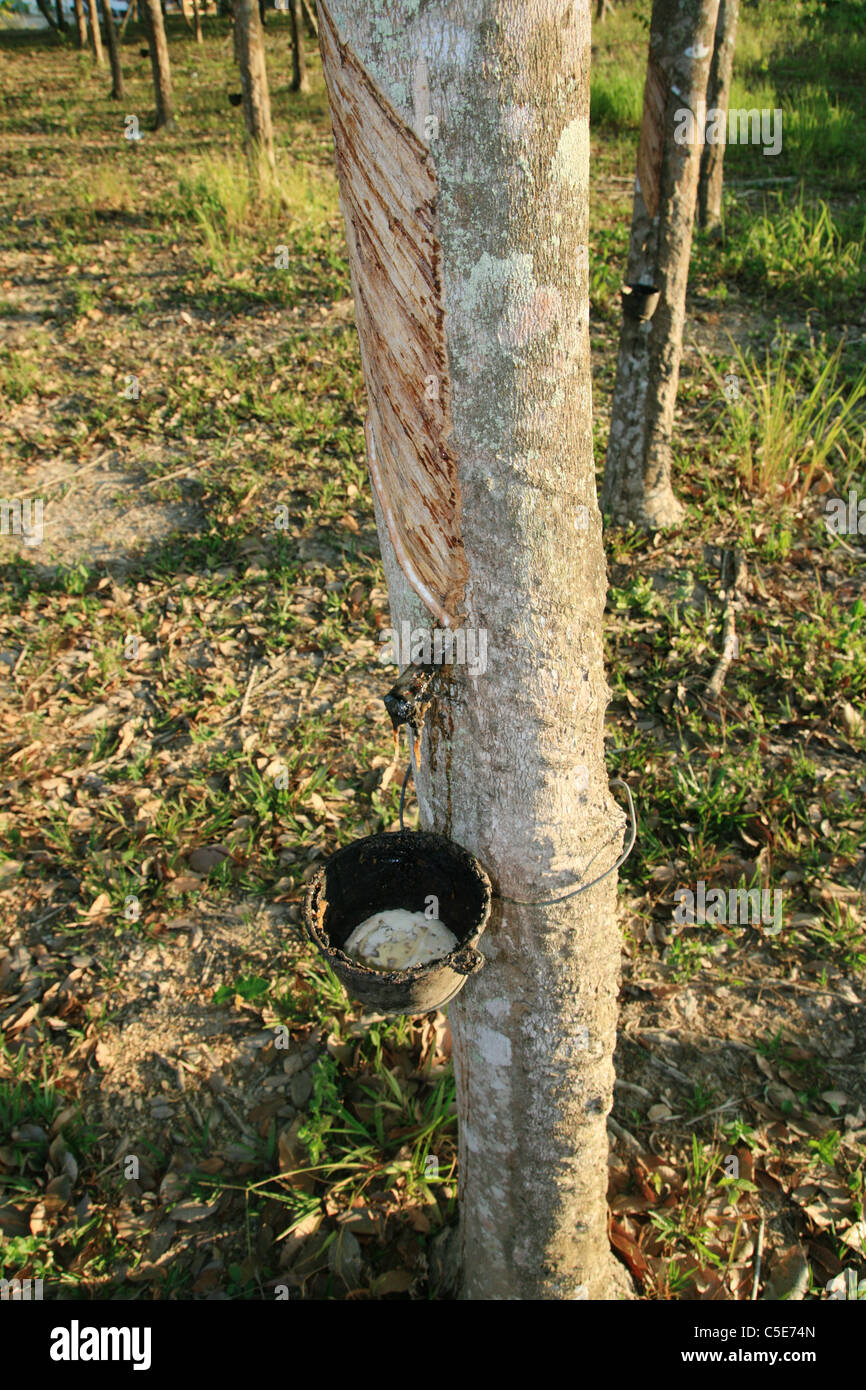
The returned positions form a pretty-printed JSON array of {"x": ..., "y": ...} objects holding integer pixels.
[
  {"x": 400, "y": 870},
  {"x": 639, "y": 301}
]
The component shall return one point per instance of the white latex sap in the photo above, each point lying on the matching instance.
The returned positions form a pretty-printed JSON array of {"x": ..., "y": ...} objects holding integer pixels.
[{"x": 396, "y": 939}]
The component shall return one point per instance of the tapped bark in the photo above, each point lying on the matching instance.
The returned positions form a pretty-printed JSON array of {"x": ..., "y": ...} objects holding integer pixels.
[
  {"x": 637, "y": 477},
  {"x": 159, "y": 63},
  {"x": 718, "y": 99},
  {"x": 113, "y": 50},
  {"x": 250, "y": 49},
  {"x": 96, "y": 35},
  {"x": 300, "y": 81},
  {"x": 80, "y": 24},
  {"x": 462, "y": 147}
]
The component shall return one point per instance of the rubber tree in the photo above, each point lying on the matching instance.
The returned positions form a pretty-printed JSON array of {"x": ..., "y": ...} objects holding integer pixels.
[
  {"x": 158, "y": 45},
  {"x": 718, "y": 99},
  {"x": 95, "y": 35},
  {"x": 637, "y": 478},
  {"x": 113, "y": 50},
  {"x": 461, "y": 135},
  {"x": 80, "y": 24},
  {"x": 300, "y": 81},
  {"x": 250, "y": 51}
]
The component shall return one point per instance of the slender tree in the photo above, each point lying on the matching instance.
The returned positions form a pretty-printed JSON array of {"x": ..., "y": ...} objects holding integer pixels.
[
  {"x": 250, "y": 49},
  {"x": 61, "y": 19},
  {"x": 462, "y": 145},
  {"x": 95, "y": 34},
  {"x": 131, "y": 6},
  {"x": 80, "y": 24},
  {"x": 300, "y": 81},
  {"x": 309, "y": 20},
  {"x": 158, "y": 46},
  {"x": 199, "y": 37},
  {"x": 637, "y": 478},
  {"x": 718, "y": 98},
  {"x": 113, "y": 50}
]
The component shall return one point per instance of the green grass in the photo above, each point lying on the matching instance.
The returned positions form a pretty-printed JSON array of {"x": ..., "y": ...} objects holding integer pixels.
[{"x": 794, "y": 419}]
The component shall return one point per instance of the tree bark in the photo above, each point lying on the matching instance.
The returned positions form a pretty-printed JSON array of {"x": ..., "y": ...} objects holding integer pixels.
[
  {"x": 96, "y": 35},
  {"x": 80, "y": 24},
  {"x": 637, "y": 479},
  {"x": 300, "y": 81},
  {"x": 158, "y": 46},
  {"x": 718, "y": 98},
  {"x": 250, "y": 50},
  {"x": 61, "y": 21},
  {"x": 199, "y": 37},
  {"x": 462, "y": 143},
  {"x": 602, "y": 9},
  {"x": 126, "y": 18},
  {"x": 113, "y": 50}
]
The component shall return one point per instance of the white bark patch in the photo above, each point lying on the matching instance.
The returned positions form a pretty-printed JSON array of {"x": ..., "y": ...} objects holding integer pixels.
[
  {"x": 503, "y": 295},
  {"x": 571, "y": 161},
  {"x": 494, "y": 1048},
  {"x": 389, "y": 194}
]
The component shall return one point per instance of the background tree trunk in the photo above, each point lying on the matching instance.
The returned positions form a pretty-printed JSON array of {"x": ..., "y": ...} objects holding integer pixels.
[
  {"x": 61, "y": 21},
  {"x": 637, "y": 478},
  {"x": 469, "y": 130},
  {"x": 80, "y": 24},
  {"x": 126, "y": 18},
  {"x": 250, "y": 41},
  {"x": 199, "y": 37},
  {"x": 718, "y": 97},
  {"x": 96, "y": 35},
  {"x": 46, "y": 14},
  {"x": 602, "y": 9},
  {"x": 309, "y": 20},
  {"x": 113, "y": 50},
  {"x": 159, "y": 63},
  {"x": 300, "y": 82}
]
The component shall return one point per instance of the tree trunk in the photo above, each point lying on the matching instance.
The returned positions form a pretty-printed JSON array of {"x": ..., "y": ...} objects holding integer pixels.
[
  {"x": 309, "y": 20},
  {"x": 61, "y": 21},
  {"x": 637, "y": 477},
  {"x": 126, "y": 18},
  {"x": 159, "y": 63},
  {"x": 199, "y": 37},
  {"x": 602, "y": 9},
  {"x": 80, "y": 24},
  {"x": 250, "y": 42},
  {"x": 113, "y": 50},
  {"x": 46, "y": 13},
  {"x": 96, "y": 35},
  {"x": 300, "y": 82},
  {"x": 466, "y": 128},
  {"x": 718, "y": 97}
]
